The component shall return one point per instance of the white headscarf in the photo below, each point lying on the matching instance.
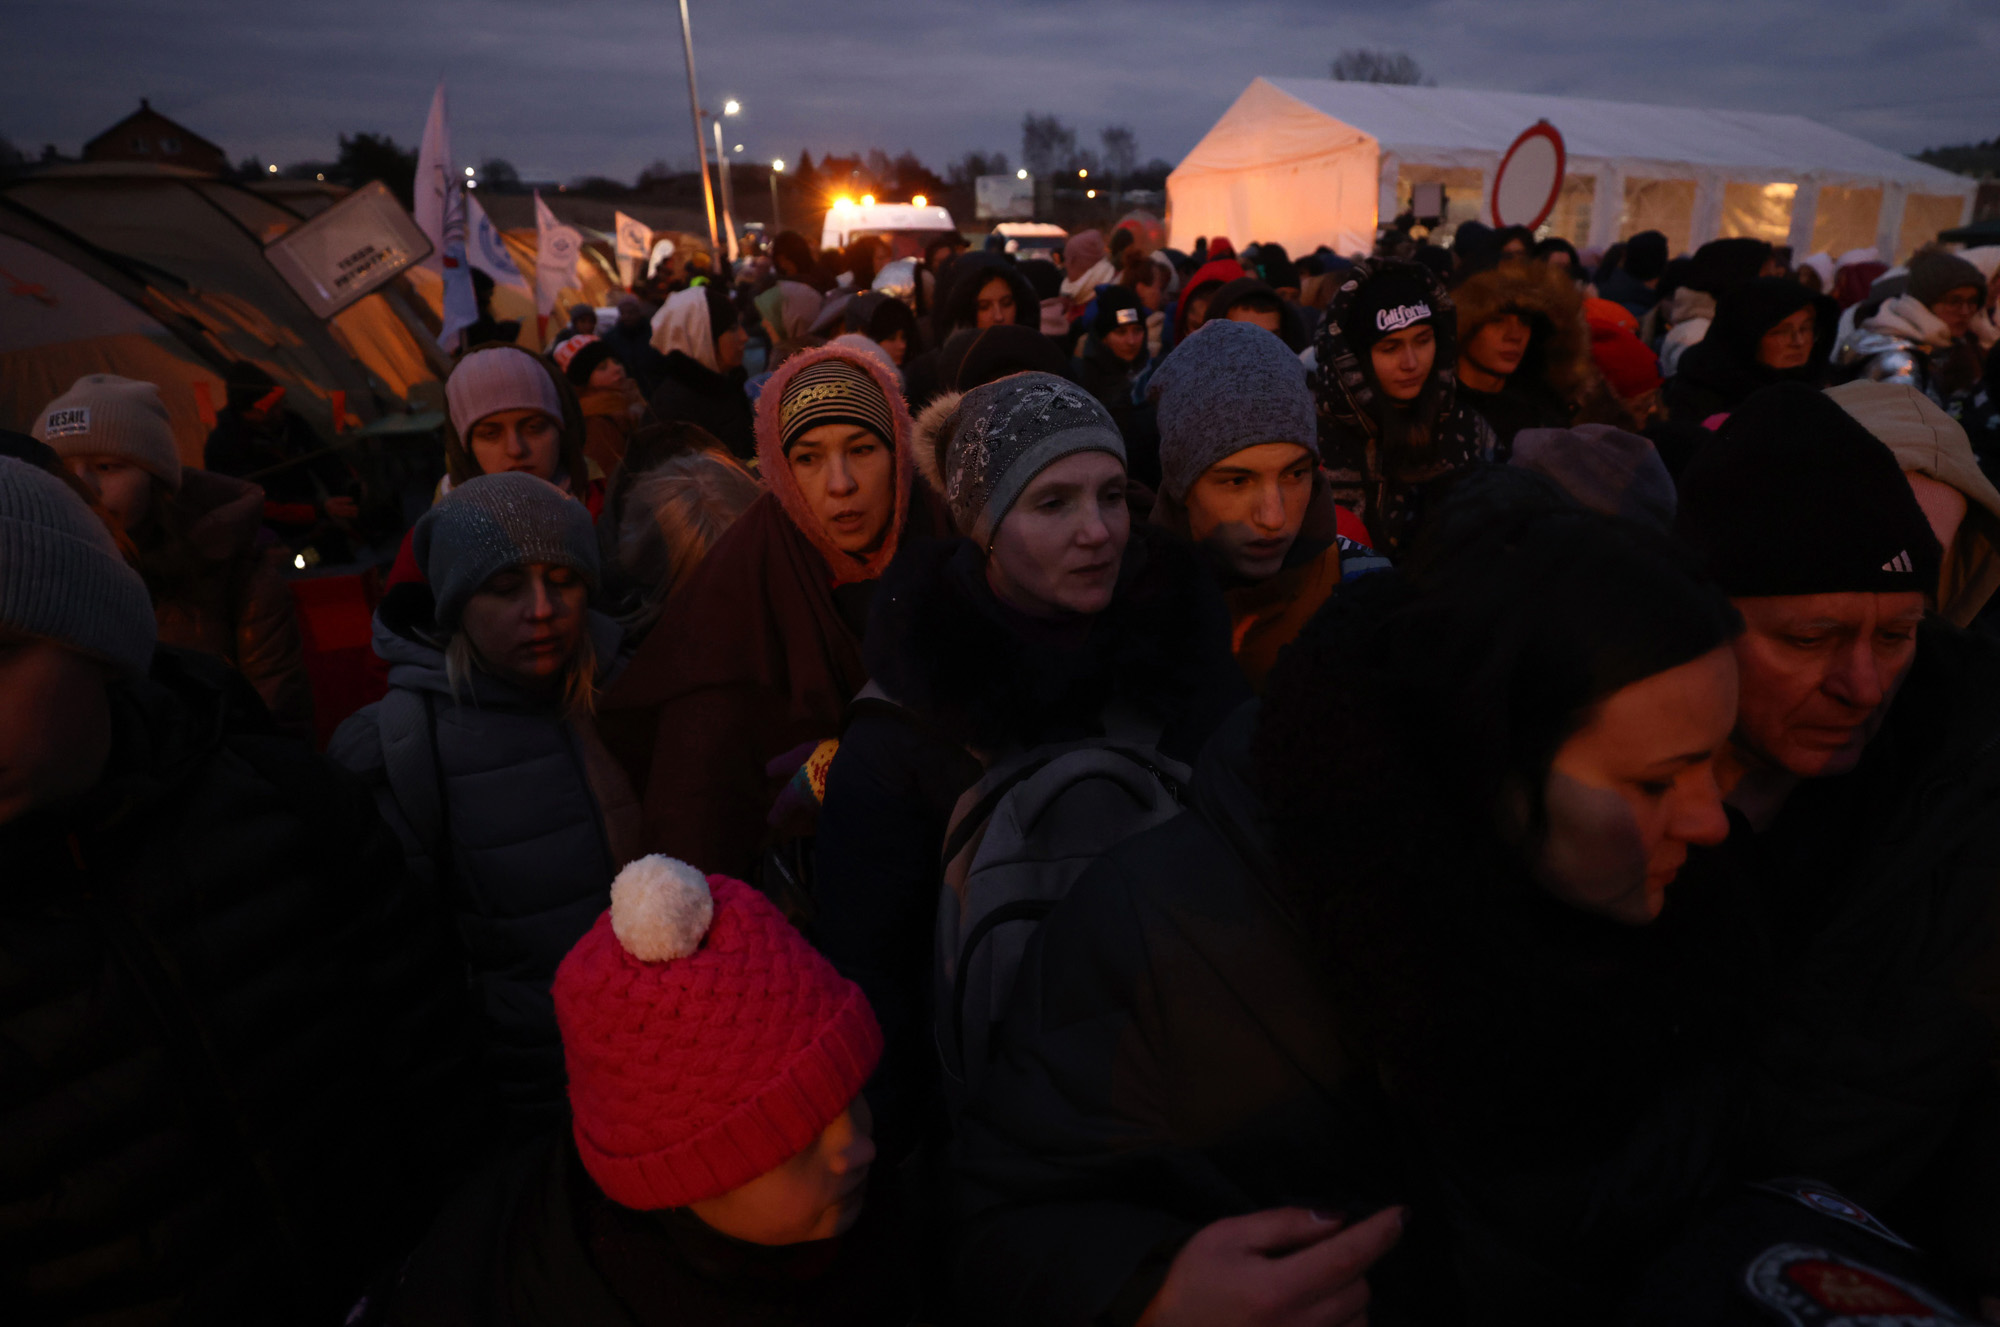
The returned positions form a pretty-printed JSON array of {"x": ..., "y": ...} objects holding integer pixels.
[{"x": 682, "y": 324}]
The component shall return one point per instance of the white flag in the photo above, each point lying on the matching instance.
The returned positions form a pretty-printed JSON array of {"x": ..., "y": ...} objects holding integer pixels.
[
  {"x": 635, "y": 238},
  {"x": 555, "y": 257},
  {"x": 461, "y": 303},
  {"x": 435, "y": 182},
  {"x": 487, "y": 251}
]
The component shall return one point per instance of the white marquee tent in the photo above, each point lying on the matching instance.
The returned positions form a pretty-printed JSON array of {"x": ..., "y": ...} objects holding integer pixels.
[{"x": 1308, "y": 161}]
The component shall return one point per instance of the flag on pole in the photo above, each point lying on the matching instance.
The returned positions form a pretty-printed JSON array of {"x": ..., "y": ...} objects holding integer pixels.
[
  {"x": 435, "y": 182},
  {"x": 556, "y": 252},
  {"x": 487, "y": 251},
  {"x": 461, "y": 302},
  {"x": 635, "y": 238}
]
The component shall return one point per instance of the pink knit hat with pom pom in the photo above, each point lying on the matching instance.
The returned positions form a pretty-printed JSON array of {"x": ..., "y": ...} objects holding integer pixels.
[{"x": 707, "y": 1042}]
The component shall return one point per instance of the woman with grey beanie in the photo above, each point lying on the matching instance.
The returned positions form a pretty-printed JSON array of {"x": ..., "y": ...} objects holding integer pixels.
[
  {"x": 484, "y": 760},
  {"x": 1051, "y": 618}
]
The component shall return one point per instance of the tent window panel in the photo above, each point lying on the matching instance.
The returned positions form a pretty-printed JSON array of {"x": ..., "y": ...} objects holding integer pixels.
[
  {"x": 1757, "y": 211},
  {"x": 1663, "y": 205},
  {"x": 1464, "y": 191},
  {"x": 1846, "y": 219},
  {"x": 1569, "y": 219},
  {"x": 1924, "y": 215}
]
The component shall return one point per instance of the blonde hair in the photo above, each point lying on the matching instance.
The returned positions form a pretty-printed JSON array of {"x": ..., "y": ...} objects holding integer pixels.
[
  {"x": 577, "y": 697},
  {"x": 673, "y": 515}
]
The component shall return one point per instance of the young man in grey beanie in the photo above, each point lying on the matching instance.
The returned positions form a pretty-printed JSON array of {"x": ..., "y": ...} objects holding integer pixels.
[
  {"x": 1240, "y": 477},
  {"x": 236, "y": 1074},
  {"x": 1863, "y": 788}
]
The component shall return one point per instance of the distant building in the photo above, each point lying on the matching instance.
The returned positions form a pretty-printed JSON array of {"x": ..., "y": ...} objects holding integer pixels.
[{"x": 147, "y": 135}]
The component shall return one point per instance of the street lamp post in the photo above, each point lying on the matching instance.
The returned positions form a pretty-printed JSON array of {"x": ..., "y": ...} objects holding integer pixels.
[
  {"x": 730, "y": 107},
  {"x": 694, "y": 105},
  {"x": 777, "y": 169}
]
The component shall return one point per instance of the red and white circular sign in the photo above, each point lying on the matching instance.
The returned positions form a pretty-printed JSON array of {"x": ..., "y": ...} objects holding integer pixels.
[{"x": 1530, "y": 177}]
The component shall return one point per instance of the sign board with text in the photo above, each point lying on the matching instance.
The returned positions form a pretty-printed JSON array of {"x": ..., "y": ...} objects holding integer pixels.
[{"x": 353, "y": 248}]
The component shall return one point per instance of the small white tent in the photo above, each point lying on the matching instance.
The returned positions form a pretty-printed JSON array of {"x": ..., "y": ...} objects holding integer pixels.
[{"x": 1308, "y": 162}]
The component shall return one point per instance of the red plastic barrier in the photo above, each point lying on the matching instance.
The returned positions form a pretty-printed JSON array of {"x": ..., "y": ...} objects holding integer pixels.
[{"x": 335, "y": 618}]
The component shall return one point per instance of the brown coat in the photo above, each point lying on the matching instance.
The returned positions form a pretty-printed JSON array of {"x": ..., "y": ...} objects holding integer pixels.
[
  {"x": 751, "y": 657},
  {"x": 232, "y": 602}
]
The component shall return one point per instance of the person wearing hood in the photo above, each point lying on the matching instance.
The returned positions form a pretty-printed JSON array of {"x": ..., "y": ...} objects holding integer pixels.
[
  {"x": 610, "y": 401},
  {"x": 1390, "y": 423},
  {"x": 1200, "y": 288},
  {"x": 888, "y": 322},
  {"x": 1115, "y": 355},
  {"x": 508, "y": 411},
  {"x": 1240, "y": 479},
  {"x": 483, "y": 760},
  {"x": 983, "y": 290},
  {"x": 1524, "y": 350},
  {"x": 1961, "y": 503},
  {"x": 237, "y": 1067},
  {"x": 974, "y": 357},
  {"x": 216, "y": 583},
  {"x": 1086, "y": 266},
  {"x": 701, "y": 378},
  {"x": 1047, "y": 612},
  {"x": 1923, "y": 336},
  {"x": 716, "y": 1172},
  {"x": 1718, "y": 268},
  {"x": 788, "y": 308},
  {"x": 759, "y": 651},
  {"x": 1815, "y": 272},
  {"x": 1765, "y": 331},
  {"x": 1860, "y": 782},
  {"x": 1352, "y": 984},
  {"x": 1635, "y": 281}
]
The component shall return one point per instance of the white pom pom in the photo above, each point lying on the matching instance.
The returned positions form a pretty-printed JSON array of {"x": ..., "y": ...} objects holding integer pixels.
[{"x": 660, "y": 909}]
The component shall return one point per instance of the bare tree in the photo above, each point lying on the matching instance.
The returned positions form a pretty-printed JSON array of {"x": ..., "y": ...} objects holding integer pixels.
[
  {"x": 1047, "y": 144},
  {"x": 1121, "y": 150},
  {"x": 1362, "y": 64},
  {"x": 975, "y": 164}
]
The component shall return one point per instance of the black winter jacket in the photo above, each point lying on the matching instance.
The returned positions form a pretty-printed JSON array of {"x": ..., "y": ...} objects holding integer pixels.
[
  {"x": 692, "y": 393},
  {"x": 232, "y": 1061},
  {"x": 1881, "y": 892},
  {"x": 533, "y": 1242},
  {"x": 1177, "y": 1052},
  {"x": 968, "y": 675}
]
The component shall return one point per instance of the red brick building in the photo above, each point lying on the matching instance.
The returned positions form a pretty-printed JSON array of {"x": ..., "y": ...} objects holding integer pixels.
[{"x": 147, "y": 135}]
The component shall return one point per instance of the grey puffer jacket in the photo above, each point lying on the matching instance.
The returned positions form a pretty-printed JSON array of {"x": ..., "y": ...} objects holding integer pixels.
[{"x": 521, "y": 815}]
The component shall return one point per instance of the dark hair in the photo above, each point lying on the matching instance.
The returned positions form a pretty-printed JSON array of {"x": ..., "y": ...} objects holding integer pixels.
[
  {"x": 789, "y": 246},
  {"x": 1139, "y": 269},
  {"x": 1557, "y": 244},
  {"x": 723, "y": 316},
  {"x": 1406, "y": 737},
  {"x": 1646, "y": 254}
]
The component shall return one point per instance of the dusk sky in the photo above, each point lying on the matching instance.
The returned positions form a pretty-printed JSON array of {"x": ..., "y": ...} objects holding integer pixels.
[{"x": 564, "y": 88}]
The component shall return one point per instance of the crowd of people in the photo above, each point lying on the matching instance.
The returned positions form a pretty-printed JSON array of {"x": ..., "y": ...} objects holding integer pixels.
[{"x": 923, "y": 786}]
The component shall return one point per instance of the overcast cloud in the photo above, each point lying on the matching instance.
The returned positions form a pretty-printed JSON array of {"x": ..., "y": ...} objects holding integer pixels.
[{"x": 564, "y": 88}]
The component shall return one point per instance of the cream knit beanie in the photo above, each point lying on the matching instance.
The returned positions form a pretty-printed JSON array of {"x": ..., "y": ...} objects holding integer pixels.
[{"x": 105, "y": 415}]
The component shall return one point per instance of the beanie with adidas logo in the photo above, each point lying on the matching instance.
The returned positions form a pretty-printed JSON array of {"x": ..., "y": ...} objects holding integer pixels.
[{"x": 1794, "y": 496}]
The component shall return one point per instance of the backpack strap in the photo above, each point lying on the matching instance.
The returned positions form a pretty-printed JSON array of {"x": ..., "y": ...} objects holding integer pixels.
[
  {"x": 408, "y": 726},
  {"x": 1020, "y": 910}
]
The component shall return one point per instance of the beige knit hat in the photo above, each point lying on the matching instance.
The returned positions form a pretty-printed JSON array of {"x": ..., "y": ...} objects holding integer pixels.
[
  {"x": 1927, "y": 441},
  {"x": 103, "y": 414},
  {"x": 61, "y": 577}
]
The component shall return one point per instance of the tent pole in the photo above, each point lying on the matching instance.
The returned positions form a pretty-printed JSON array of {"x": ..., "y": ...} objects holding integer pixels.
[{"x": 700, "y": 148}]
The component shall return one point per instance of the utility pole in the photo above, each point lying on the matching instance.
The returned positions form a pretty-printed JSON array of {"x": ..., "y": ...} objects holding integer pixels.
[
  {"x": 700, "y": 148},
  {"x": 722, "y": 168}
]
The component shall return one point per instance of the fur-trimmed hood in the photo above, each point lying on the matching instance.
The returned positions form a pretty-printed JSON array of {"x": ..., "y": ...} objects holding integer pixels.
[
  {"x": 931, "y": 437},
  {"x": 1559, "y": 349},
  {"x": 1345, "y": 389},
  {"x": 940, "y": 644},
  {"x": 777, "y": 471}
]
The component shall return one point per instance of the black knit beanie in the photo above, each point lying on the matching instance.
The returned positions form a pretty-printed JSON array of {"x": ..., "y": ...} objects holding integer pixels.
[
  {"x": 1793, "y": 496},
  {"x": 584, "y": 363},
  {"x": 1116, "y": 307},
  {"x": 1397, "y": 296}
]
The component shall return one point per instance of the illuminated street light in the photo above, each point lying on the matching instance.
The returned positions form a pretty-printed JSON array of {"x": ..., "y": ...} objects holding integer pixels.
[
  {"x": 273, "y": 168},
  {"x": 1021, "y": 174},
  {"x": 468, "y": 170},
  {"x": 739, "y": 147},
  {"x": 779, "y": 165},
  {"x": 1083, "y": 175},
  {"x": 730, "y": 107}
]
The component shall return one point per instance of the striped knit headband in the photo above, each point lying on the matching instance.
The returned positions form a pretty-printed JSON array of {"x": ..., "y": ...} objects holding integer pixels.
[{"x": 833, "y": 391}]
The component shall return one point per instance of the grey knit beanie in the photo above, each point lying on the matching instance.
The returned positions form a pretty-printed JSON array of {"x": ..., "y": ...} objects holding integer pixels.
[
  {"x": 1935, "y": 274},
  {"x": 61, "y": 577},
  {"x": 1007, "y": 432},
  {"x": 103, "y": 414},
  {"x": 495, "y": 379},
  {"x": 1228, "y": 386},
  {"x": 494, "y": 522}
]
